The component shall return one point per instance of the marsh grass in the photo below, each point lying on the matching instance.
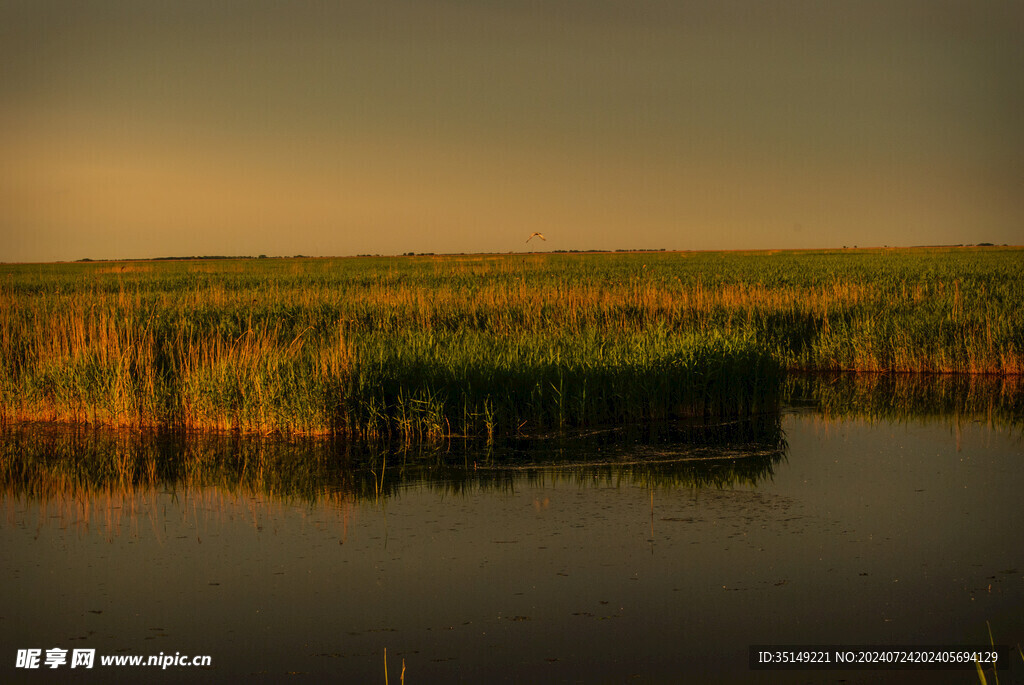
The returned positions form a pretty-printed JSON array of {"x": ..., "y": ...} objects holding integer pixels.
[
  {"x": 995, "y": 673},
  {"x": 401, "y": 676},
  {"x": 431, "y": 348}
]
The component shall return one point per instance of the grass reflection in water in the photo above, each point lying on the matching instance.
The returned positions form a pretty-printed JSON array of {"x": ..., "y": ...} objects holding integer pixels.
[{"x": 44, "y": 463}]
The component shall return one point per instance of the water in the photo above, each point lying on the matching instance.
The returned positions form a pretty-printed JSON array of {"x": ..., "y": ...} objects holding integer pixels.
[{"x": 613, "y": 569}]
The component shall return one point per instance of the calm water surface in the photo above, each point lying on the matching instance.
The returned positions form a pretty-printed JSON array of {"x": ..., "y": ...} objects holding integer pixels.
[{"x": 860, "y": 533}]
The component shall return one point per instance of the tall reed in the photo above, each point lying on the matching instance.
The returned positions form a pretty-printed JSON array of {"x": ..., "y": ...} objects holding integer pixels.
[{"x": 425, "y": 347}]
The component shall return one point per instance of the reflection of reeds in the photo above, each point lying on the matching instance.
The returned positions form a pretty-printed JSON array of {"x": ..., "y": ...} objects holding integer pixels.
[
  {"x": 895, "y": 397},
  {"x": 93, "y": 466},
  {"x": 426, "y": 348},
  {"x": 111, "y": 480}
]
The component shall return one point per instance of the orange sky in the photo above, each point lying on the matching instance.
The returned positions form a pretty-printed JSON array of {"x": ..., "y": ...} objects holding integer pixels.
[{"x": 135, "y": 129}]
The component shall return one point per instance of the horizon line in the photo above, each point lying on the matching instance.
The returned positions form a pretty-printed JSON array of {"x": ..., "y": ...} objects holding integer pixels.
[{"x": 844, "y": 248}]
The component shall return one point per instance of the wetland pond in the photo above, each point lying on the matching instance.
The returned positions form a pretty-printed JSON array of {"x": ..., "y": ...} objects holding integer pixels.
[{"x": 607, "y": 558}]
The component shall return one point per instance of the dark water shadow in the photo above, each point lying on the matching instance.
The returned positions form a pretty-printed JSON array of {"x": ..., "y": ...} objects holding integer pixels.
[
  {"x": 998, "y": 401},
  {"x": 42, "y": 461}
]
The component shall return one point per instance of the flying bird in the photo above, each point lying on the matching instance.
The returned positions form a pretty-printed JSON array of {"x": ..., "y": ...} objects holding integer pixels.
[{"x": 536, "y": 235}]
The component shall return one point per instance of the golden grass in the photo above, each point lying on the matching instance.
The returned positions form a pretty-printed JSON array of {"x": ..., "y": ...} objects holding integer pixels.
[{"x": 296, "y": 345}]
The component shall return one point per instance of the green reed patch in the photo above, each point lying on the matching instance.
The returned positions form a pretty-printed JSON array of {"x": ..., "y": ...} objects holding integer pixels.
[{"x": 426, "y": 347}]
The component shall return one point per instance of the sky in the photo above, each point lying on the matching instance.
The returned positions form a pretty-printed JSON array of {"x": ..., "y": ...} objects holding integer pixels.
[{"x": 139, "y": 129}]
